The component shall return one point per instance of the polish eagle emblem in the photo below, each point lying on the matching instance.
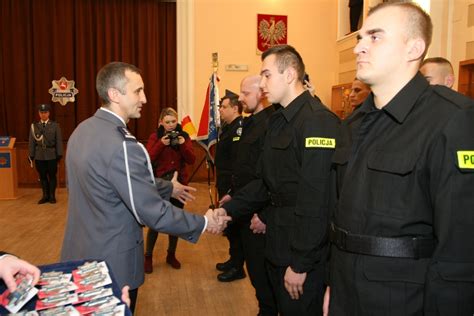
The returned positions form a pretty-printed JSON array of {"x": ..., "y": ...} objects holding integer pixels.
[{"x": 271, "y": 32}]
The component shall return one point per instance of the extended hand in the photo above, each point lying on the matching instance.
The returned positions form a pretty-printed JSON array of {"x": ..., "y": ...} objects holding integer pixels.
[
  {"x": 217, "y": 220},
  {"x": 181, "y": 192},
  {"x": 294, "y": 283},
  {"x": 10, "y": 266},
  {"x": 257, "y": 226}
]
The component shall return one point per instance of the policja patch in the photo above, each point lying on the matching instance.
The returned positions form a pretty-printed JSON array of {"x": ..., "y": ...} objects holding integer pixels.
[
  {"x": 466, "y": 159},
  {"x": 320, "y": 142}
]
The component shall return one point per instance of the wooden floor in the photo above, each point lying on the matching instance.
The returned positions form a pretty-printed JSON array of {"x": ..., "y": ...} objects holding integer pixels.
[{"x": 35, "y": 233}]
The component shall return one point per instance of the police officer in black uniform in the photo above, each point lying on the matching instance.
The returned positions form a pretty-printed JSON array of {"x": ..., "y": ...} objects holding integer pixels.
[
  {"x": 230, "y": 111},
  {"x": 46, "y": 149},
  {"x": 252, "y": 238},
  {"x": 294, "y": 170},
  {"x": 403, "y": 227}
]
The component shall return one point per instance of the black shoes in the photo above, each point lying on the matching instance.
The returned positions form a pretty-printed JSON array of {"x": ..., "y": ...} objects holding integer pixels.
[
  {"x": 43, "y": 200},
  {"x": 231, "y": 275},
  {"x": 224, "y": 266}
]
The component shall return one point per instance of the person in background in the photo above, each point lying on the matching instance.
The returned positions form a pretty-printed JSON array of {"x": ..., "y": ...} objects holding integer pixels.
[
  {"x": 230, "y": 111},
  {"x": 170, "y": 150},
  {"x": 355, "y": 12},
  {"x": 438, "y": 70},
  {"x": 45, "y": 147},
  {"x": 359, "y": 92}
]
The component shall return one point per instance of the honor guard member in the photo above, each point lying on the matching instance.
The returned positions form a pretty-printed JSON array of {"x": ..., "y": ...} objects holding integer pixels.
[
  {"x": 46, "y": 150},
  {"x": 230, "y": 110},
  {"x": 112, "y": 190},
  {"x": 294, "y": 169},
  {"x": 402, "y": 230}
]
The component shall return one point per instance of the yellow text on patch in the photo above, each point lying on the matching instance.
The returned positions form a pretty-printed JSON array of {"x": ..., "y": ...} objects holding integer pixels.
[
  {"x": 236, "y": 139},
  {"x": 466, "y": 159},
  {"x": 320, "y": 142}
]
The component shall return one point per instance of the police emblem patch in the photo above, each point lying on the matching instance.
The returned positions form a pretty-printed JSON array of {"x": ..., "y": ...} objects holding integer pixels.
[{"x": 63, "y": 91}]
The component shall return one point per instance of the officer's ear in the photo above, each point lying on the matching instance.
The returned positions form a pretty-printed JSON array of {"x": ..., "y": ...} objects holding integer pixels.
[
  {"x": 114, "y": 95},
  {"x": 291, "y": 75},
  {"x": 416, "y": 48}
]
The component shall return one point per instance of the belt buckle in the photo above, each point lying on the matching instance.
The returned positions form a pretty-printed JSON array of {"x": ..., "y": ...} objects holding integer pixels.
[{"x": 341, "y": 237}]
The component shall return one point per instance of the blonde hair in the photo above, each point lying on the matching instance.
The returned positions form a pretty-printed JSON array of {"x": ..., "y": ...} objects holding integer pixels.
[{"x": 168, "y": 111}]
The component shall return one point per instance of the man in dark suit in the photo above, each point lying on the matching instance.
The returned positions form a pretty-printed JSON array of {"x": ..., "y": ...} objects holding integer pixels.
[
  {"x": 46, "y": 149},
  {"x": 112, "y": 190}
]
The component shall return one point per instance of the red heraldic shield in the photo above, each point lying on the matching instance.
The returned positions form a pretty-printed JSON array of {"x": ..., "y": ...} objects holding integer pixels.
[{"x": 271, "y": 30}]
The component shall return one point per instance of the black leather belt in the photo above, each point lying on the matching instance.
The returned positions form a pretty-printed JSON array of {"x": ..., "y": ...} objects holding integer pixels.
[
  {"x": 281, "y": 200},
  {"x": 400, "y": 247}
]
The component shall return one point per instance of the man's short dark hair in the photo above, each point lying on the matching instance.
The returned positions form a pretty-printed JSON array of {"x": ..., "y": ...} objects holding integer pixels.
[
  {"x": 112, "y": 75},
  {"x": 287, "y": 56},
  {"x": 439, "y": 61},
  {"x": 418, "y": 21},
  {"x": 233, "y": 101}
]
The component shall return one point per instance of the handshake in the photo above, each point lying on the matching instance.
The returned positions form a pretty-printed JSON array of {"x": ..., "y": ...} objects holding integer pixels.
[{"x": 216, "y": 220}]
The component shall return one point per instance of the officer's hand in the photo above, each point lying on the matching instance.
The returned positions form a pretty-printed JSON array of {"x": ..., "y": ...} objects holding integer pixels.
[
  {"x": 216, "y": 221},
  {"x": 181, "y": 140},
  {"x": 165, "y": 140},
  {"x": 257, "y": 226},
  {"x": 10, "y": 266},
  {"x": 125, "y": 295},
  {"x": 327, "y": 295},
  {"x": 294, "y": 283},
  {"x": 226, "y": 198},
  {"x": 181, "y": 192}
]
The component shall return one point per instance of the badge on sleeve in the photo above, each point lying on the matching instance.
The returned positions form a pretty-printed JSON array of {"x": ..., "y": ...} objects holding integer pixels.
[
  {"x": 466, "y": 159},
  {"x": 126, "y": 134},
  {"x": 320, "y": 142}
]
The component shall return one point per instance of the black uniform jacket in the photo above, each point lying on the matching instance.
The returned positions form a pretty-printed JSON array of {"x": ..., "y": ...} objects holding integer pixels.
[
  {"x": 226, "y": 152},
  {"x": 294, "y": 169},
  {"x": 250, "y": 146},
  {"x": 407, "y": 170}
]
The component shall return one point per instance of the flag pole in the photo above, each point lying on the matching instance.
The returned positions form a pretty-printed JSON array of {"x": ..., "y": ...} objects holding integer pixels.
[{"x": 209, "y": 161}]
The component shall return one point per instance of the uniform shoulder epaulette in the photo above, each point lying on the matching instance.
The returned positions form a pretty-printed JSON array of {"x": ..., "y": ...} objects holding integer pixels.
[
  {"x": 454, "y": 97},
  {"x": 126, "y": 134}
]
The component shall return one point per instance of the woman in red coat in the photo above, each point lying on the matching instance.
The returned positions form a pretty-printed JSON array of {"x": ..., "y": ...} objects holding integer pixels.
[{"x": 170, "y": 149}]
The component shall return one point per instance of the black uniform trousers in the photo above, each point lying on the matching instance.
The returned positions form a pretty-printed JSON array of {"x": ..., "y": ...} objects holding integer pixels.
[
  {"x": 310, "y": 303},
  {"x": 47, "y": 170},
  {"x": 253, "y": 246},
  {"x": 232, "y": 232}
]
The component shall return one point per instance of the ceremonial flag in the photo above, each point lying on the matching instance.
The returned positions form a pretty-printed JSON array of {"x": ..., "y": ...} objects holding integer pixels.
[
  {"x": 188, "y": 126},
  {"x": 210, "y": 119}
]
